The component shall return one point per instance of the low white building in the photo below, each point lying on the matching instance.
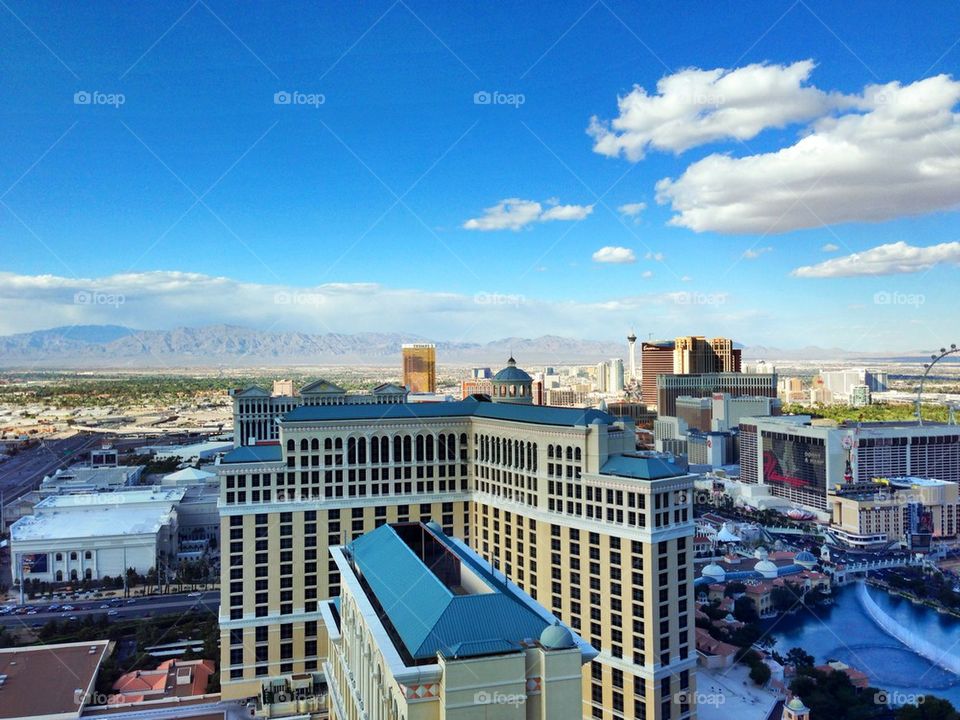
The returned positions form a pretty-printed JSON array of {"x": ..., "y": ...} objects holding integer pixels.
[
  {"x": 87, "y": 479},
  {"x": 188, "y": 453},
  {"x": 94, "y": 535}
]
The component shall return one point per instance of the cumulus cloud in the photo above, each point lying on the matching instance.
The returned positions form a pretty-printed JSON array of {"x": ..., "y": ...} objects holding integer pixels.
[
  {"x": 655, "y": 256},
  {"x": 830, "y": 247},
  {"x": 692, "y": 107},
  {"x": 893, "y": 153},
  {"x": 163, "y": 300},
  {"x": 632, "y": 209},
  {"x": 889, "y": 259},
  {"x": 754, "y": 253},
  {"x": 514, "y": 214},
  {"x": 616, "y": 255}
]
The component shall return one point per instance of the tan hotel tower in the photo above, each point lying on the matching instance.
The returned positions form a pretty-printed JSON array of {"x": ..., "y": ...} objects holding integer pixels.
[{"x": 556, "y": 499}]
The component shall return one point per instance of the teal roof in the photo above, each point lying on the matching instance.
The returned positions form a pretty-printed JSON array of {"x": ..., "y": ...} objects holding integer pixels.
[
  {"x": 641, "y": 467},
  {"x": 471, "y": 407},
  {"x": 426, "y": 615},
  {"x": 512, "y": 374},
  {"x": 253, "y": 453}
]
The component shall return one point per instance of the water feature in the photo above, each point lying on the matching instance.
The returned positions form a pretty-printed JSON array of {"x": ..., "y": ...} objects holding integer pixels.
[{"x": 902, "y": 647}]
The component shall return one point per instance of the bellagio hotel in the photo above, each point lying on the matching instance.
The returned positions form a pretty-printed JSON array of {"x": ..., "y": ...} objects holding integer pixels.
[{"x": 556, "y": 499}]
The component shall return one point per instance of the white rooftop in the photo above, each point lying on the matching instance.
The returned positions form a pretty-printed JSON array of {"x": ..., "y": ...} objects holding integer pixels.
[
  {"x": 189, "y": 474},
  {"x": 96, "y": 518},
  {"x": 125, "y": 498}
]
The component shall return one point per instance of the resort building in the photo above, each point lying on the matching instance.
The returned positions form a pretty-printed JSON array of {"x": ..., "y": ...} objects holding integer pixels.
[
  {"x": 801, "y": 459},
  {"x": 425, "y": 628},
  {"x": 909, "y": 511},
  {"x": 557, "y": 500},
  {"x": 256, "y": 411},
  {"x": 96, "y": 535}
]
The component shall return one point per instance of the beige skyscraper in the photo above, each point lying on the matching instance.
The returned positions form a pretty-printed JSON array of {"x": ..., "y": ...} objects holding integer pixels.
[
  {"x": 556, "y": 500},
  {"x": 695, "y": 354},
  {"x": 420, "y": 367}
]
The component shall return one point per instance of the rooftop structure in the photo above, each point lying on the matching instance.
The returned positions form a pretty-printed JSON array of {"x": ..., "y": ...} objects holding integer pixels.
[
  {"x": 469, "y": 636},
  {"x": 53, "y": 682},
  {"x": 93, "y": 535},
  {"x": 171, "y": 678}
]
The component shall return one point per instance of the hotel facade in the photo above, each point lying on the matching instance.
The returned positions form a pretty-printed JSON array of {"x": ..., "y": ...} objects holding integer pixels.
[{"x": 556, "y": 499}]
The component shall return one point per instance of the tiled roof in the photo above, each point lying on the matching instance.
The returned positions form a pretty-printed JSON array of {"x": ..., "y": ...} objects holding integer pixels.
[
  {"x": 427, "y": 616},
  {"x": 471, "y": 407},
  {"x": 641, "y": 467},
  {"x": 253, "y": 453}
]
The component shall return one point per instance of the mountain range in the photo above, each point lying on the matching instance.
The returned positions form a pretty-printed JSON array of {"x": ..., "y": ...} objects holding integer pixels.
[{"x": 114, "y": 346}]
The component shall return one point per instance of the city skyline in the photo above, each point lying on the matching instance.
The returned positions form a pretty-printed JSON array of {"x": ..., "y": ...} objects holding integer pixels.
[{"x": 472, "y": 176}]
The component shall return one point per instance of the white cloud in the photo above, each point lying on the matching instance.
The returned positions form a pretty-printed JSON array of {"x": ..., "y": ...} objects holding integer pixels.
[
  {"x": 632, "y": 209},
  {"x": 693, "y": 107},
  {"x": 566, "y": 212},
  {"x": 514, "y": 214},
  {"x": 611, "y": 254},
  {"x": 830, "y": 247},
  {"x": 890, "y": 259},
  {"x": 754, "y": 253},
  {"x": 647, "y": 274},
  {"x": 894, "y": 154},
  {"x": 163, "y": 300},
  {"x": 656, "y": 256}
]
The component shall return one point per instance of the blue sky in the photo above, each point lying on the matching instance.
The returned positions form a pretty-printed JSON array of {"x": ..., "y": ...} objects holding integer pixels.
[{"x": 184, "y": 194}]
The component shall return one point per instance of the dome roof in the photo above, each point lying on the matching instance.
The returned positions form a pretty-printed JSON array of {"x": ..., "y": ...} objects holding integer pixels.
[
  {"x": 556, "y": 637},
  {"x": 766, "y": 568},
  {"x": 713, "y": 571},
  {"x": 797, "y": 704},
  {"x": 511, "y": 373},
  {"x": 805, "y": 558},
  {"x": 726, "y": 534}
]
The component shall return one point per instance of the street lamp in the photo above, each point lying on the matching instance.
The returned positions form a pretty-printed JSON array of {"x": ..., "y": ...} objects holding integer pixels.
[{"x": 927, "y": 367}]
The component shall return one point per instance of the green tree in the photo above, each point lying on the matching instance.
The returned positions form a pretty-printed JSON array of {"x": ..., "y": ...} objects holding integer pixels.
[
  {"x": 930, "y": 708},
  {"x": 760, "y": 673}
]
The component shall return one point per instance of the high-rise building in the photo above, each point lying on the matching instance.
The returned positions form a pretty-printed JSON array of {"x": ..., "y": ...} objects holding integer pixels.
[
  {"x": 801, "y": 459},
  {"x": 632, "y": 342},
  {"x": 420, "y": 367},
  {"x": 556, "y": 499},
  {"x": 694, "y": 354},
  {"x": 256, "y": 411},
  {"x": 603, "y": 377},
  {"x": 670, "y": 387},
  {"x": 656, "y": 358},
  {"x": 445, "y": 636},
  {"x": 616, "y": 380}
]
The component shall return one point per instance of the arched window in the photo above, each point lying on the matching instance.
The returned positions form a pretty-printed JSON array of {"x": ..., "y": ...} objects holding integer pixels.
[
  {"x": 315, "y": 444},
  {"x": 407, "y": 449},
  {"x": 304, "y": 445},
  {"x": 452, "y": 446},
  {"x": 384, "y": 449},
  {"x": 59, "y": 557},
  {"x": 362, "y": 451},
  {"x": 577, "y": 455},
  {"x": 397, "y": 448},
  {"x": 351, "y": 451},
  {"x": 291, "y": 445},
  {"x": 569, "y": 452},
  {"x": 59, "y": 576},
  {"x": 73, "y": 556},
  {"x": 533, "y": 466},
  {"x": 419, "y": 448},
  {"x": 429, "y": 442},
  {"x": 73, "y": 574},
  {"x": 87, "y": 555},
  {"x": 88, "y": 574},
  {"x": 549, "y": 451},
  {"x": 328, "y": 444},
  {"x": 463, "y": 446},
  {"x": 338, "y": 444},
  {"x": 375, "y": 450}
]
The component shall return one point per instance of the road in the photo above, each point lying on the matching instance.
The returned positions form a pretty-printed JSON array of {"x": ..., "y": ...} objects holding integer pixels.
[
  {"x": 23, "y": 472},
  {"x": 150, "y": 605}
]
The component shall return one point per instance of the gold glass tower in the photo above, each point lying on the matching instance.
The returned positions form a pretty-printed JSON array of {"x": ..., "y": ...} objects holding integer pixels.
[{"x": 420, "y": 367}]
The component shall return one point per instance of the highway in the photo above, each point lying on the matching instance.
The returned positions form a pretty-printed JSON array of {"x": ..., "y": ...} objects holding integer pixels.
[
  {"x": 23, "y": 472},
  {"x": 142, "y": 607}
]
